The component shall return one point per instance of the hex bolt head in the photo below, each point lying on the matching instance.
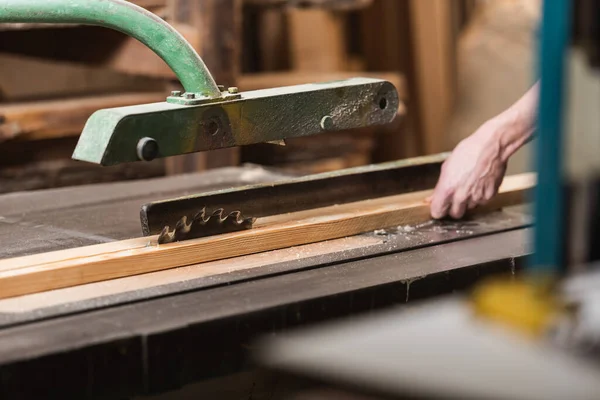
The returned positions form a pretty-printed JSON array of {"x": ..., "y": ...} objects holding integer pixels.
[
  {"x": 190, "y": 96},
  {"x": 147, "y": 149},
  {"x": 327, "y": 123},
  {"x": 221, "y": 87},
  {"x": 176, "y": 93},
  {"x": 233, "y": 90}
]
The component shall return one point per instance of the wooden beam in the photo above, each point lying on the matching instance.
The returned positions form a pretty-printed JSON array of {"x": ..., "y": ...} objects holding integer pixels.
[
  {"x": 317, "y": 40},
  {"x": 93, "y": 46},
  {"x": 68, "y": 268},
  {"x": 61, "y": 118},
  {"x": 217, "y": 25},
  {"x": 339, "y": 5},
  {"x": 66, "y": 172},
  {"x": 273, "y": 40},
  {"x": 434, "y": 52},
  {"x": 148, "y": 4},
  {"x": 415, "y": 38},
  {"x": 133, "y": 57}
]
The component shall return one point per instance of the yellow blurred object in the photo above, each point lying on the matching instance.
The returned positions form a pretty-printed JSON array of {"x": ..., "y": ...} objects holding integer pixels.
[{"x": 526, "y": 305}]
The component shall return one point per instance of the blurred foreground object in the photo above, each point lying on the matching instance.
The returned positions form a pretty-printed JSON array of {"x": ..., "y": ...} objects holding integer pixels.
[{"x": 531, "y": 336}]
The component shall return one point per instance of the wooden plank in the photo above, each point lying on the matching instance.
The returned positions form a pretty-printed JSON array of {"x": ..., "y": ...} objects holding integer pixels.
[
  {"x": 61, "y": 118},
  {"x": 111, "y": 50},
  {"x": 177, "y": 275},
  {"x": 339, "y": 5},
  {"x": 435, "y": 67},
  {"x": 273, "y": 40},
  {"x": 389, "y": 19},
  {"x": 34, "y": 79},
  {"x": 133, "y": 57},
  {"x": 25, "y": 276},
  {"x": 423, "y": 49},
  {"x": 173, "y": 281},
  {"x": 148, "y": 4},
  {"x": 317, "y": 40},
  {"x": 47, "y": 174},
  {"x": 218, "y": 28}
]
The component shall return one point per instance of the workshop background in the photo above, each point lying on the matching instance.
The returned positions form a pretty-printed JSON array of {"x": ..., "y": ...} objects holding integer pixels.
[
  {"x": 455, "y": 63},
  {"x": 444, "y": 56}
]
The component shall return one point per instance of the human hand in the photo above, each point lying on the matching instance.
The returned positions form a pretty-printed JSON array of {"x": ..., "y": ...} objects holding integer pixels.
[
  {"x": 474, "y": 171},
  {"x": 472, "y": 174}
]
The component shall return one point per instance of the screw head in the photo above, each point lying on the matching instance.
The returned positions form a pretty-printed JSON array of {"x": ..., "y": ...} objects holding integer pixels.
[
  {"x": 176, "y": 93},
  {"x": 327, "y": 123},
  {"x": 233, "y": 90},
  {"x": 147, "y": 149},
  {"x": 221, "y": 87},
  {"x": 190, "y": 96}
]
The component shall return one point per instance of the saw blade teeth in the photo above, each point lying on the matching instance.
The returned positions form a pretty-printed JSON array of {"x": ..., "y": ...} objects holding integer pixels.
[
  {"x": 218, "y": 214},
  {"x": 200, "y": 216},
  {"x": 166, "y": 236},
  {"x": 239, "y": 219},
  {"x": 182, "y": 223},
  {"x": 205, "y": 224}
]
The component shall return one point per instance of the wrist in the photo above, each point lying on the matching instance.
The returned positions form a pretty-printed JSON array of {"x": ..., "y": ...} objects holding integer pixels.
[{"x": 512, "y": 130}]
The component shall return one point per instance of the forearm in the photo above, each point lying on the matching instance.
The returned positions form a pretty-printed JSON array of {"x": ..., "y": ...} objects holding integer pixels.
[{"x": 518, "y": 123}]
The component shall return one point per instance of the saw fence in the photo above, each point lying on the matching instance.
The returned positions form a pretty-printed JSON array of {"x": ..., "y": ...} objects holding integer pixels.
[{"x": 84, "y": 265}]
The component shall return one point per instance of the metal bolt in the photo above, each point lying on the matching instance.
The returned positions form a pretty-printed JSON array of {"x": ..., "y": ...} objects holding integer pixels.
[
  {"x": 176, "y": 93},
  {"x": 147, "y": 149},
  {"x": 221, "y": 88},
  {"x": 190, "y": 96},
  {"x": 233, "y": 90},
  {"x": 327, "y": 123}
]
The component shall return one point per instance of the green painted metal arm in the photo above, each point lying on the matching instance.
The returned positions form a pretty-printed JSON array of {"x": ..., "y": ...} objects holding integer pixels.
[
  {"x": 144, "y": 132},
  {"x": 127, "y": 18}
]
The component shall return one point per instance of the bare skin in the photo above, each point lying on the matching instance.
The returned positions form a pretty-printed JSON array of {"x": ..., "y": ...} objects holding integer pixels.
[{"x": 474, "y": 171}]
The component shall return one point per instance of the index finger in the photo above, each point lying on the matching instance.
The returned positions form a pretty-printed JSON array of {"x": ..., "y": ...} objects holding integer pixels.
[{"x": 440, "y": 203}]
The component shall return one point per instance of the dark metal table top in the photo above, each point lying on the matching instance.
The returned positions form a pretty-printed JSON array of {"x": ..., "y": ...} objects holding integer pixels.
[
  {"x": 56, "y": 219},
  {"x": 164, "y": 343},
  {"x": 158, "y": 337}
]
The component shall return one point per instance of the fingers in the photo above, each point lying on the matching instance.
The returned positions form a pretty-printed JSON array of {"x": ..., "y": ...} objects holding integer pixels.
[
  {"x": 458, "y": 208},
  {"x": 489, "y": 191},
  {"x": 447, "y": 201},
  {"x": 440, "y": 202},
  {"x": 460, "y": 201},
  {"x": 472, "y": 204}
]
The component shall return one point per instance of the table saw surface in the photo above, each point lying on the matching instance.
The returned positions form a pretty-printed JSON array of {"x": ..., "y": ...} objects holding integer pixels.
[{"x": 147, "y": 333}]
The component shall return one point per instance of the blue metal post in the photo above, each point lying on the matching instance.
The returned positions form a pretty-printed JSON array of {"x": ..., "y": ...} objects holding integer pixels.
[{"x": 548, "y": 232}]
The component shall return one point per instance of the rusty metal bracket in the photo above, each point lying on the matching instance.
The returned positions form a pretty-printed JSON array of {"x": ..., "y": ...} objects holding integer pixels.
[{"x": 145, "y": 132}]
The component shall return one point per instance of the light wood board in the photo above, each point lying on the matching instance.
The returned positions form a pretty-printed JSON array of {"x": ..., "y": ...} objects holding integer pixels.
[
  {"x": 79, "y": 266},
  {"x": 47, "y": 119}
]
